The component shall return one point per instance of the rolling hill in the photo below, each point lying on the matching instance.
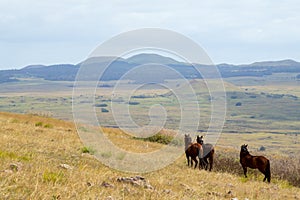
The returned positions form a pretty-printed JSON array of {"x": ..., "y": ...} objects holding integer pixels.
[
  {"x": 119, "y": 66},
  {"x": 43, "y": 158}
]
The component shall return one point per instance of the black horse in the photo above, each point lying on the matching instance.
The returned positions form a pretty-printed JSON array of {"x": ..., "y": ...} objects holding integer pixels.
[
  {"x": 208, "y": 153},
  {"x": 255, "y": 162}
]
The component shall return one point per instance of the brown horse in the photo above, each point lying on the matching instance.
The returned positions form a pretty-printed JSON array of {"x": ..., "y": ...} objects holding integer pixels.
[
  {"x": 208, "y": 153},
  {"x": 194, "y": 150},
  {"x": 255, "y": 162}
]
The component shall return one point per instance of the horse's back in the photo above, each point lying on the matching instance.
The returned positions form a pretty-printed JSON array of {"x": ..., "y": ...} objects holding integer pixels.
[
  {"x": 261, "y": 160},
  {"x": 192, "y": 148},
  {"x": 208, "y": 149},
  {"x": 255, "y": 161}
]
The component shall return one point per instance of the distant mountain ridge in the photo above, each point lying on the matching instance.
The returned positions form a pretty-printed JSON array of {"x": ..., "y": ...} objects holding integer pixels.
[{"x": 119, "y": 66}]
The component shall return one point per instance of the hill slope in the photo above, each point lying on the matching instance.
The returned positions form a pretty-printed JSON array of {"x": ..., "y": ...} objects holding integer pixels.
[{"x": 42, "y": 158}]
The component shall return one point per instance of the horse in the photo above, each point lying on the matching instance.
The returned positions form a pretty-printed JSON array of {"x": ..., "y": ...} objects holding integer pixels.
[
  {"x": 194, "y": 150},
  {"x": 255, "y": 162},
  {"x": 208, "y": 153}
]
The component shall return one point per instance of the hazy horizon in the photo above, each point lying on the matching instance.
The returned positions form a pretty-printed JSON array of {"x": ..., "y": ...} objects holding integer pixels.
[{"x": 37, "y": 64}]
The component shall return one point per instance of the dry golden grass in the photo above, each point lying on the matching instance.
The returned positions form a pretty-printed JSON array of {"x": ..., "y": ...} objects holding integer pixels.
[{"x": 38, "y": 146}]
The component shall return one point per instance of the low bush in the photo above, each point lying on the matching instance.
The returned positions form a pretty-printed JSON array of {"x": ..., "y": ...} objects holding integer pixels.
[{"x": 39, "y": 124}]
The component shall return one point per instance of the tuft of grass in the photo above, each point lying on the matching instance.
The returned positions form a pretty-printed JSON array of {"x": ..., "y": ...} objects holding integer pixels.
[
  {"x": 48, "y": 126},
  {"x": 10, "y": 155},
  {"x": 14, "y": 156},
  {"x": 88, "y": 150},
  {"x": 53, "y": 177},
  {"x": 14, "y": 121},
  {"x": 39, "y": 124}
]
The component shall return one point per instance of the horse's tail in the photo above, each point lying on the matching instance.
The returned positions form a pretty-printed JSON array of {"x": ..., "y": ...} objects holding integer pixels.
[{"x": 268, "y": 171}]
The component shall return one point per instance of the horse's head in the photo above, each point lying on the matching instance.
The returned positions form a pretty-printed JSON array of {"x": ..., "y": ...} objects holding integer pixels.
[
  {"x": 244, "y": 148},
  {"x": 187, "y": 140},
  {"x": 200, "y": 139}
]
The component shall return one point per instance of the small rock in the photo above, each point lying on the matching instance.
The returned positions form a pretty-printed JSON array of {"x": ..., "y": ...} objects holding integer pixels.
[
  {"x": 216, "y": 193},
  {"x": 167, "y": 191},
  {"x": 148, "y": 186},
  {"x": 138, "y": 181},
  {"x": 229, "y": 194},
  {"x": 107, "y": 185},
  {"x": 234, "y": 198},
  {"x": 89, "y": 184},
  {"x": 15, "y": 167},
  {"x": 139, "y": 177},
  {"x": 230, "y": 185},
  {"x": 66, "y": 166},
  {"x": 8, "y": 171},
  {"x": 109, "y": 198}
]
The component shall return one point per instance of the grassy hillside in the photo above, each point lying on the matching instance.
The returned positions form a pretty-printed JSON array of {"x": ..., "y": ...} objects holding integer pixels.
[{"x": 43, "y": 158}]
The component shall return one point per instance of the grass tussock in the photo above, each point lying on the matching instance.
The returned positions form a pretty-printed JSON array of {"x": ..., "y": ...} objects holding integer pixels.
[{"x": 88, "y": 150}]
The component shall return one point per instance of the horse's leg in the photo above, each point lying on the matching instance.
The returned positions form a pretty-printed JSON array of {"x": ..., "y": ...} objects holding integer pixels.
[
  {"x": 265, "y": 178},
  {"x": 267, "y": 174},
  {"x": 202, "y": 163},
  {"x": 188, "y": 159},
  {"x": 205, "y": 163},
  {"x": 245, "y": 171},
  {"x": 196, "y": 162},
  {"x": 211, "y": 162}
]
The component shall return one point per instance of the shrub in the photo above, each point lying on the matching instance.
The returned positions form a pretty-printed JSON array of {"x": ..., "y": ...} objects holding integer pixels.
[
  {"x": 262, "y": 148},
  {"x": 88, "y": 150},
  {"x": 15, "y": 121},
  {"x": 39, "y": 124},
  {"x": 252, "y": 96},
  {"x": 160, "y": 138},
  {"x": 104, "y": 110},
  {"x": 238, "y": 104},
  {"x": 48, "y": 126},
  {"x": 133, "y": 103},
  {"x": 101, "y": 105}
]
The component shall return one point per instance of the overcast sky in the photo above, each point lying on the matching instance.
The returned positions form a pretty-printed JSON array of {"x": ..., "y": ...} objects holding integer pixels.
[{"x": 66, "y": 31}]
